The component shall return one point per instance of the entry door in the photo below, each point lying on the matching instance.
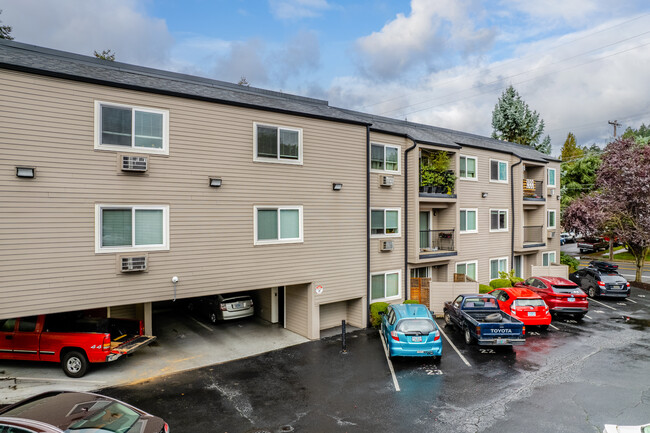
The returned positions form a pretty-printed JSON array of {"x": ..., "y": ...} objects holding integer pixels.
[
  {"x": 519, "y": 266},
  {"x": 26, "y": 339}
]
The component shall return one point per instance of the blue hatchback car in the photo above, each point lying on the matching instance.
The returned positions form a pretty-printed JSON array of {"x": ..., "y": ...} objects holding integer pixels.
[{"x": 409, "y": 330}]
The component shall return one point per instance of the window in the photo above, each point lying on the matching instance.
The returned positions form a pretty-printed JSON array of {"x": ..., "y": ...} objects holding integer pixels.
[
  {"x": 385, "y": 285},
  {"x": 551, "y": 219},
  {"x": 519, "y": 266},
  {"x": 277, "y": 144},
  {"x": 551, "y": 177},
  {"x": 498, "y": 220},
  {"x": 281, "y": 224},
  {"x": 468, "y": 268},
  {"x": 385, "y": 222},
  {"x": 498, "y": 265},
  {"x": 420, "y": 272},
  {"x": 384, "y": 158},
  {"x": 121, "y": 127},
  {"x": 468, "y": 168},
  {"x": 548, "y": 258},
  {"x": 131, "y": 228},
  {"x": 27, "y": 324},
  {"x": 498, "y": 171},
  {"x": 468, "y": 221}
]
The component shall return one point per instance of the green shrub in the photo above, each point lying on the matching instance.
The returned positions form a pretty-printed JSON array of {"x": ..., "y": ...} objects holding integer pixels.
[
  {"x": 571, "y": 262},
  {"x": 375, "y": 309},
  {"x": 484, "y": 288},
  {"x": 510, "y": 276},
  {"x": 500, "y": 282},
  {"x": 411, "y": 301}
]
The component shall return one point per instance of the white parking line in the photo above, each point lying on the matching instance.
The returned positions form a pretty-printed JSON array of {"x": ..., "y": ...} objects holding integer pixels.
[
  {"x": 202, "y": 324},
  {"x": 452, "y": 345},
  {"x": 603, "y": 304},
  {"x": 390, "y": 364},
  {"x": 632, "y": 301},
  {"x": 587, "y": 317},
  {"x": 554, "y": 327}
]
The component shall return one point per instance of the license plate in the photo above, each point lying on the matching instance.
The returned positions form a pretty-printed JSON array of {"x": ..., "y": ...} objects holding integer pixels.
[
  {"x": 501, "y": 341},
  {"x": 572, "y": 299},
  {"x": 532, "y": 313},
  {"x": 239, "y": 305},
  {"x": 416, "y": 339}
]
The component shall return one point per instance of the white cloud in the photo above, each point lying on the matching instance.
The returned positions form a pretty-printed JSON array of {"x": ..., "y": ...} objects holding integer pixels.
[
  {"x": 295, "y": 9},
  {"x": 83, "y": 26}
]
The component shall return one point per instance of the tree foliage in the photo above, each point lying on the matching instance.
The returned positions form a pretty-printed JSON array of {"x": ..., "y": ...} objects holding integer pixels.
[
  {"x": 641, "y": 135},
  {"x": 243, "y": 82},
  {"x": 570, "y": 149},
  {"x": 621, "y": 204},
  {"x": 513, "y": 121},
  {"x": 579, "y": 176},
  {"x": 105, "y": 55},
  {"x": 5, "y": 31}
]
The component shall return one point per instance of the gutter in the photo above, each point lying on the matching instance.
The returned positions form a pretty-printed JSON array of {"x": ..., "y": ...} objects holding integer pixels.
[
  {"x": 406, "y": 213},
  {"x": 512, "y": 200},
  {"x": 368, "y": 325}
]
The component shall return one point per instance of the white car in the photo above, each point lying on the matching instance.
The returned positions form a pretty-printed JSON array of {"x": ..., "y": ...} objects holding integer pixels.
[{"x": 611, "y": 428}]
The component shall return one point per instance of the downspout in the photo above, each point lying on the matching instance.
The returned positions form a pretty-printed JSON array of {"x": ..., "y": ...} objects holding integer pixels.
[
  {"x": 368, "y": 224},
  {"x": 512, "y": 198},
  {"x": 406, "y": 214}
]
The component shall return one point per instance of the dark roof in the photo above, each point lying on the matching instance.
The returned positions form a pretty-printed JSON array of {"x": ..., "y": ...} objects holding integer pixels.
[{"x": 45, "y": 61}]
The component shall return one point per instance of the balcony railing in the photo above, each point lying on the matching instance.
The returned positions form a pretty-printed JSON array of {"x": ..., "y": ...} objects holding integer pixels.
[
  {"x": 533, "y": 234},
  {"x": 533, "y": 189},
  {"x": 437, "y": 240}
]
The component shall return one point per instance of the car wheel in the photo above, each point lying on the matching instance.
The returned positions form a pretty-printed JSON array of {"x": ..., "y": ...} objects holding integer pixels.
[
  {"x": 213, "y": 317},
  {"x": 74, "y": 364},
  {"x": 468, "y": 337},
  {"x": 582, "y": 250},
  {"x": 447, "y": 319},
  {"x": 592, "y": 292}
]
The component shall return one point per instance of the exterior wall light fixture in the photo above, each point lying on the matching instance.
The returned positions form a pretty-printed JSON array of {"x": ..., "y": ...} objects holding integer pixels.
[
  {"x": 215, "y": 182},
  {"x": 484, "y": 194},
  {"x": 337, "y": 186},
  {"x": 26, "y": 172}
]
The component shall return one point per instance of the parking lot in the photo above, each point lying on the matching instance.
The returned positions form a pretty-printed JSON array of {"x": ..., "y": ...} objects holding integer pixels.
[{"x": 573, "y": 378}]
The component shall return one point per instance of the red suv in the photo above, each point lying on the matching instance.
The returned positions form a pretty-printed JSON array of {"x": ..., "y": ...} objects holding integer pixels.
[
  {"x": 561, "y": 295},
  {"x": 523, "y": 304}
]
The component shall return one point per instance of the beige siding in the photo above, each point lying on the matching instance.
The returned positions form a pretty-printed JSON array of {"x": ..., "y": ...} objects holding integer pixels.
[
  {"x": 332, "y": 314},
  {"x": 356, "y": 312},
  {"x": 442, "y": 292},
  {"x": 263, "y": 300},
  {"x": 48, "y": 223},
  {"x": 296, "y": 311},
  {"x": 561, "y": 271}
]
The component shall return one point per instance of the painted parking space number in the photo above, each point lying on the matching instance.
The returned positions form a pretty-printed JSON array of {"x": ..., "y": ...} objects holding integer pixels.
[
  {"x": 487, "y": 351},
  {"x": 434, "y": 371}
]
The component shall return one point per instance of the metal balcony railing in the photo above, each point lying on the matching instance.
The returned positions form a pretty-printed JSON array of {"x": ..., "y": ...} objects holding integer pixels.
[
  {"x": 533, "y": 234},
  {"x": 437, "y": 240},
  {"x": 533, "y": 189}
]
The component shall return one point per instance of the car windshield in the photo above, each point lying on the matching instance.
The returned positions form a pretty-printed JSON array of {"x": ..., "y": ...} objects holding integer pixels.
[
  {"x": 415, "y": 326},
  {"x": 480, "y": 303},
  {"x": 115, "y": 418},
  {"x": 522, "y": 302},
  {"x": 566, "y": 289}
]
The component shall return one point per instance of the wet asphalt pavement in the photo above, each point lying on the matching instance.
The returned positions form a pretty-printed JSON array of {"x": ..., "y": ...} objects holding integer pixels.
[{"x": 575, "y": 377}]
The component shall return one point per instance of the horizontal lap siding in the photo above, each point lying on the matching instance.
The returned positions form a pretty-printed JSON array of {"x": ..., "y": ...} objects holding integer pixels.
[
  {"x": 332, "y": 314},
  {"x": 297, "y": 303},
  {"x": 47, "y": 224}
]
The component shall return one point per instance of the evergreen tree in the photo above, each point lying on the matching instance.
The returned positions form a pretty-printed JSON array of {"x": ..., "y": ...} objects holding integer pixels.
[
  {"x": 570, "y": 149},
  {"x": 513, "y": 121},
  {"x": 5, "y": 31},
  {"x": 105, "y": 55}
]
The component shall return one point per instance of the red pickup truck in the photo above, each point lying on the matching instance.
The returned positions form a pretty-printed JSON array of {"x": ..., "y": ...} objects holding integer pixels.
[{"x": 70, "y": 339}]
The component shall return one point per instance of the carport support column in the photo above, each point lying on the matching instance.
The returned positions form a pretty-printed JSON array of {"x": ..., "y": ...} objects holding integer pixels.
[
  {"x": 148, "y": 321},
  {"x": 313, "y": 315}
]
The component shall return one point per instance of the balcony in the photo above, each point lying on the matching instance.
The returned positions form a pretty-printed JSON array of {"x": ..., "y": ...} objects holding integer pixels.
[
  {"x": 534, "y": 191},
  {"x": 437, "y": 177},
  {"x": 437, "y": 243},
  {"x": 533, "y": 236}
]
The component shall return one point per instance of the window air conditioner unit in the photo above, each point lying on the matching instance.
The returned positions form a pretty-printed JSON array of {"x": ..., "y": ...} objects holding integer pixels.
[
  {"x": 134, "y": 163},
  {"x": 551, "y": 191},
  {"x": 134, "y": 264},
  {"x": 387, "y": 181},
  {"x": 551, "y": 235},
  {"x": 386, "y": 246}
]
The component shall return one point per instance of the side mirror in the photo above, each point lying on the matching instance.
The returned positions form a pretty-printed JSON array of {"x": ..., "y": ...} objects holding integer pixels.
[{"x": 382, "y": 313}]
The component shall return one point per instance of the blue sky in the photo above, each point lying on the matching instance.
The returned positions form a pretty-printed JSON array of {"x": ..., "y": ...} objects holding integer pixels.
[{"x": 579, "y": 63}]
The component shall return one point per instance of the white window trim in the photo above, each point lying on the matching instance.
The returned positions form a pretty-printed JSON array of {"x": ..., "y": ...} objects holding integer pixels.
[
  {"x": 497, "y": 259},
  {"x": 475, "y": 179},
  {"x": 277, "y": 160},
  {"x": 468, "y": 231},
  {"x": 98, "y": 129},
  {"x": 426, "y": 268},
  {"x": 490, "y": 171},
  {"x": 399, "y": 159},
  {"x": 548, "y": 213},
  {"x": 278, "y": 241},
  {"x": 507, "y": 221},
  {"x": 547, "y": 254},
  {"x": 399, "y": 285},
  {"x": 123, "y": 249},
  {"x": 399, "y": 223},
  {"x": 466, "y": 263},
  {"x": 554, "y": 178}
]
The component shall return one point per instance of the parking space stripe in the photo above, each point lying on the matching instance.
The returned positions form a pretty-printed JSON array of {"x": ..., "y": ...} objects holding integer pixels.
[
  {"x": 632, "y": 301},
  {"x": 390, "y": 363},
  {"x": 587, "y": 317},
  {"x": 603, "y": 304},
  {"x": 452, "y": 345},
  {"x": 202, "y": 324},
  {"x": 554, "y": 327}
]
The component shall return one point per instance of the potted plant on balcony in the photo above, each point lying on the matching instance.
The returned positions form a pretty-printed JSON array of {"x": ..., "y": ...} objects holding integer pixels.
[{"x": 427, "y": 177}]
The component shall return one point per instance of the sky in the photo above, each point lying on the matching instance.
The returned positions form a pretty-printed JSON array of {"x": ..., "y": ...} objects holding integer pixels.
[{"x": 578, "y": 63}]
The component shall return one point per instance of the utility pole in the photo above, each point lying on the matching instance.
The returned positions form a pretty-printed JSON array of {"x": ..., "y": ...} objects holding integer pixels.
[{"x": 614, "y": 124}]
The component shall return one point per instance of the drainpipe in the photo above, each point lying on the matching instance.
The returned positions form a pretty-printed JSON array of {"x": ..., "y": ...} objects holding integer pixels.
[
  {"x": 406, "y": 214},
  {"x": 512, "y": 198},
  {"x": 368, "y": 224}
]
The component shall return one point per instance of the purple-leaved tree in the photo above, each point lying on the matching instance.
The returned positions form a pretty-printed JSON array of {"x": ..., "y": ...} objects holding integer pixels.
[{"x": 621, "y": 203}]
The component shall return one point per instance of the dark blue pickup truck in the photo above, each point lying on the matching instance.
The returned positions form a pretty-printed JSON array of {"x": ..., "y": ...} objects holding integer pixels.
[{"x": 480, "y": 318}]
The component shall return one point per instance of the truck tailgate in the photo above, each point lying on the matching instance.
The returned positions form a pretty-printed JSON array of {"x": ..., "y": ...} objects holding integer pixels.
[{"x": 133, "y": 344}]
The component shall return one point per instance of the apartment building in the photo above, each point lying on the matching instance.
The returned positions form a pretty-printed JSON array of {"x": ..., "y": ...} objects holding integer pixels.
[{"x": 118, "y": 178}]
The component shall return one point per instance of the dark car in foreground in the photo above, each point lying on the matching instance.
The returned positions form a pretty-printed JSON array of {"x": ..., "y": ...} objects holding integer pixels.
[
  {"x": 601, "y": 279},
  {"x": 77, "y": 412},
  {"x": 222, "y": 307},
  {"x": 562, "y": 296}
]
